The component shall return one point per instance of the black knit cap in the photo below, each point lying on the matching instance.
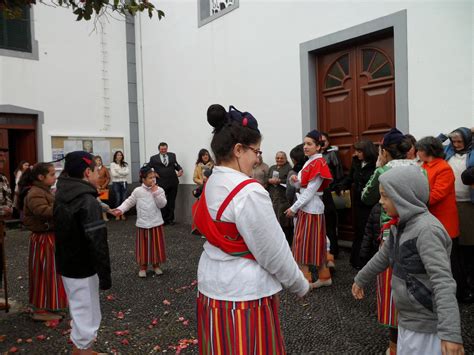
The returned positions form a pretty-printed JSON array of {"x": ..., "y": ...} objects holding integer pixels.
[
  {"x": 145, "y": 169},
  {"x": 316, "y": 135},
  {"x": 77, "y": 162},
  {"x": 394, "y": 136}
]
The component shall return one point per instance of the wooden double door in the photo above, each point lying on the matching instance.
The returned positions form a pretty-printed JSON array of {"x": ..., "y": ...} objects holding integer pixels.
[{"x": 356, "y": 100}]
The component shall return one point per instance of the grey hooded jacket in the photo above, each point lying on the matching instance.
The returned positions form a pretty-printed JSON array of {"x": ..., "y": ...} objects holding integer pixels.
[{"x": 418, "y": 250}]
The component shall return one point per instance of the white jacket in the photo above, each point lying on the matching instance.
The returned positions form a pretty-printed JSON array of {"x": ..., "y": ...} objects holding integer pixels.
[
  {"x": 119, "y": 173},
  {"x": 148, "y": 206}
]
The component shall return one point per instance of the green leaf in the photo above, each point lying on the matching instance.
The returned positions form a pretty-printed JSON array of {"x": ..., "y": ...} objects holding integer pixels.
[{"x": 161, "y": 14}]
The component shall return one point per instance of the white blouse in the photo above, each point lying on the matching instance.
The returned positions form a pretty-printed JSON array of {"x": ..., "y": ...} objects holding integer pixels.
[
  {"x": 225, "y": 277},
  {"x": 308, "y": 199}
]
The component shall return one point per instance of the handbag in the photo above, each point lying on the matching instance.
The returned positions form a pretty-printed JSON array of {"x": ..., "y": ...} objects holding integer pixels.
[{"x": 343, "y": 200}]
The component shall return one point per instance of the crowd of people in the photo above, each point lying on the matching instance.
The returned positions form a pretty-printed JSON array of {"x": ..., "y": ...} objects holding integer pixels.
[
  {"x": 413, "y": 205},
  {"x": 266, "y": 228}
]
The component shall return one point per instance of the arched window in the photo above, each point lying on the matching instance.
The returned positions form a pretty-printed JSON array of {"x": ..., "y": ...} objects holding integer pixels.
[
  {"x": 337, "y": 72},
  {"x": 376, "y": 64}
]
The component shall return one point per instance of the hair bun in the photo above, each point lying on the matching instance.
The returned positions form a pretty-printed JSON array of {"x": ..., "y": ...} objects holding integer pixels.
[{"x": 216, "y": 116}]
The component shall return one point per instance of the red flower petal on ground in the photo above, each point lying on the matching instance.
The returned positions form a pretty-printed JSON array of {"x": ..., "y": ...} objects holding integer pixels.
[
  {"x": 29, "y": 340},
  {"x": 157, "y": 348},
  {"x": 2, "y": 338},
  {"x": 166, "y": 302},
  {"x": 194, "y": 283},
  {"x": 19, "y": 340},
  {"x": 52, "y": 323},
  {"x": 13, "y": 349},
  {"x": 186, "y": 323},
  {"x": 180, "y": 319},
  {"x": 120, "y": 315},
  {"x": 195, "y": 341},
  {"x": 125, "y": 342},
  {"x": 154, "y": 321},
  {"x": 41, "y": 337},
  {"x": 110, "y": 297}
]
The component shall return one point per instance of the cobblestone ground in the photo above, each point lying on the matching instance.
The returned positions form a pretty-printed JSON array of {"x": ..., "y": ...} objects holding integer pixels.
[{"x": 327, "y": 321}]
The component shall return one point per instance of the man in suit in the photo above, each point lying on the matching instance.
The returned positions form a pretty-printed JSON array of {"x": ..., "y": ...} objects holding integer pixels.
[{"x": 168, "y": 171}]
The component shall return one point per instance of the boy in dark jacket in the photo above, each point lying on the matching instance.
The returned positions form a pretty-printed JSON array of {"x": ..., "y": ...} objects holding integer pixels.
[
  {"x": 82, "y": 252},
  {"x": 418, "y": 249}
]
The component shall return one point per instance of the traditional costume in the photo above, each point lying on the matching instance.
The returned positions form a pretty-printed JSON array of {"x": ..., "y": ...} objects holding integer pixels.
[
  {"x": 46, "y": 290},
  {"x": 150, "y": 241},
  {"x": 246, "y": 260},
  {"x": 309, "y": 242}
]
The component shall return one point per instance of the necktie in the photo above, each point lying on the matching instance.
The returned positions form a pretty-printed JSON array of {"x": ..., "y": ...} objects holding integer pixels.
[{"x": 165, "y": 160}]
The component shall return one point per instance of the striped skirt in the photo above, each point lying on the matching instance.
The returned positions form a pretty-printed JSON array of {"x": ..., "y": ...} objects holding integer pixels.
[
  {"x": 150, "y": 246},
  {"x": 309, "y": 242},
  {"x": 239, "y": 328},
  {"x": 46, "y": 290},
  {"x": 386, "y": 312}
]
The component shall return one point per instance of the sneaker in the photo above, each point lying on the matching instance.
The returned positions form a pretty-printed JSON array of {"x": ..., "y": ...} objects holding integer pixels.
[
  {"x": 320, "y": 283},
  {"x": 158, "y": 271},
  {"x": 45, "y": 316},
  {"x": 142, "y": 273}
]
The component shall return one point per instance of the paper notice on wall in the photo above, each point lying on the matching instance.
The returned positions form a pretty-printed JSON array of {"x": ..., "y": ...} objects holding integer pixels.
[
  {"x": 57, "y": 155},
  {"x": 72, "y": 146},
  {"x": 102, "y": 148}
]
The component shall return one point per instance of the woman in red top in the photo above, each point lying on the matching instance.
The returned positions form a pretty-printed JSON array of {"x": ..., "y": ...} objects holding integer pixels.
[{"x": 442, "y": 203}]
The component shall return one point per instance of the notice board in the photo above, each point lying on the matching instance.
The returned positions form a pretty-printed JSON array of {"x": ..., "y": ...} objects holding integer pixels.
[{"x": 103, "y": 146}]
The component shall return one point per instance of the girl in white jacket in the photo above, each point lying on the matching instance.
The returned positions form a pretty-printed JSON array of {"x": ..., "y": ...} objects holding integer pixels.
[{"x": 149, "y": 199}]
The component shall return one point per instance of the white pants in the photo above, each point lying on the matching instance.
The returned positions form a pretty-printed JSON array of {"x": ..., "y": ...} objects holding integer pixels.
[
  {"x": 84, "y": 307},
  {"x": 416, "y": 343}
]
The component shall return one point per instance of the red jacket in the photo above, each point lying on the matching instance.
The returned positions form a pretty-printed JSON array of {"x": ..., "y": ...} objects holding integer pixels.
[{"x": 442, "y": 202}]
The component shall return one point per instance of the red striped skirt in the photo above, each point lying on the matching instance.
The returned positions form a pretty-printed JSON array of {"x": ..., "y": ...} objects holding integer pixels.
[
  {"x": 150, "y": 246},
  {"x": 309, "y": 242},
  {"x": 46, "y": 290},
  {"x": 243, "y": 328},
  {"x": 386, "y": 312}
]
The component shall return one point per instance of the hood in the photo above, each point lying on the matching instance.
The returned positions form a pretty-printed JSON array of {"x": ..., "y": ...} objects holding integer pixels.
[
  {"x": 407, "y": 187},
  {"x": 466, "y": 135},
  {"x": 70, "y": 188}
]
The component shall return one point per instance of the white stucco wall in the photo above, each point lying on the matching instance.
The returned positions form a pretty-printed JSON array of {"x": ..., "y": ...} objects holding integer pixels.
[
  {"x": 66, "y": 82},
  {"x": 250, "y": 58}
]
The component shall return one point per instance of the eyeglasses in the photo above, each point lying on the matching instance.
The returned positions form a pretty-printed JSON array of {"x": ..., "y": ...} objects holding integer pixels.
[{"x": 256, "y": 151}]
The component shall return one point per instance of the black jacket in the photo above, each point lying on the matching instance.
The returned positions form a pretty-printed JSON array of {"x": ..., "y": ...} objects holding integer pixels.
[
  {"x": 81, "y": 234},
  {"x": 167, "y": 174},
  {"x": 359, "y": 176},
  {"x": 370, "y": 242}
]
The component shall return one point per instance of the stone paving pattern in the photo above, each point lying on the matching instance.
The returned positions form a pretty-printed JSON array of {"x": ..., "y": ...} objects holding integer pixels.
[{"x": 328, "y": 321}]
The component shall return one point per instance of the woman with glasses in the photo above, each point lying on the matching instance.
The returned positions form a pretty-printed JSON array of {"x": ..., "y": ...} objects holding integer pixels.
[
  {"x": 309, "y": 241},
  {"x": 246, "y": 260}
]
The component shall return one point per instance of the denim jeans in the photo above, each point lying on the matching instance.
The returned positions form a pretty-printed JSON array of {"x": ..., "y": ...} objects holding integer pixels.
[{"x": 120, "y": 192}]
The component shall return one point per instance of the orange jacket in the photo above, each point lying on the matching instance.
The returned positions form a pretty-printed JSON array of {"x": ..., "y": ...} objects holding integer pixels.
[{"x": 442, "y": 202}]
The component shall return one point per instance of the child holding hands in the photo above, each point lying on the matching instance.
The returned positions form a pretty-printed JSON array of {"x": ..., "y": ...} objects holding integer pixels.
[
  {"x": 418, "y": 249},
  {"x": 149, "y": 199}
]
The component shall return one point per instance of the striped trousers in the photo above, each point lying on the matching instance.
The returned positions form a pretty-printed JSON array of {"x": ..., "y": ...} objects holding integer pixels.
[
  {"x": 239, "y": 328},
  {"x": 150, "y": 246},
  {"x": 46, "y": 290}
]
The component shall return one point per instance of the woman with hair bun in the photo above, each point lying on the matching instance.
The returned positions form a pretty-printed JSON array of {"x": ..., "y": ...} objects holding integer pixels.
[
  {"x": 392, "y": 153},
  {"x": 246, "y": 259}
]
